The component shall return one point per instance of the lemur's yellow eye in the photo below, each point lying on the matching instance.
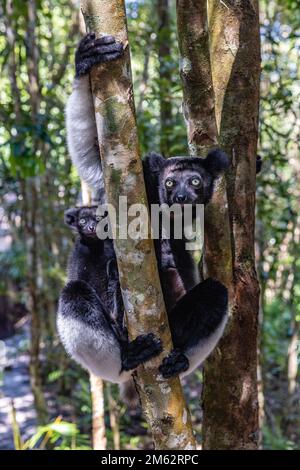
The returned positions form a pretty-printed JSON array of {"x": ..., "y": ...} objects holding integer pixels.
[
  {"x": 82, "y": 221},
  {"x": 195, "y": 182},
  {"x": 169, "y": 183},
  {"x": 98, "y": 218}
]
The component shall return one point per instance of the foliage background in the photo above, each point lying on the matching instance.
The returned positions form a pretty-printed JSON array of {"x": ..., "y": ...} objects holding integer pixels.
[{"x": 37, "y": 183}]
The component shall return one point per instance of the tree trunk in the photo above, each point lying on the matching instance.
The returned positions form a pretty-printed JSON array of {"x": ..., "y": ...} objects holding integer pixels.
[
  {"x": 230, "y": 388},
  {"x": 32, "y": 207},
  {"x": 292, "y": 355},
  {"x": 96, "y": 383},
  {"x": 114, "y": 415},
  {"x": 259, "y": 254},
  {"x": 162, "y": 400},
  {"x": 230, "y": 399},
  {"x": 165, "y": 75},
  {"x": 98, "y": 414},
  {"x": 199, "y": 113}
]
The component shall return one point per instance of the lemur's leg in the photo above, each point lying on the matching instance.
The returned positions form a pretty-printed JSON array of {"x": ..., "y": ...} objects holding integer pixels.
[
  {"x": 80, "y": 115},
  {"x": 197, "y": 323},
  {"x": 88, "y": 336}
]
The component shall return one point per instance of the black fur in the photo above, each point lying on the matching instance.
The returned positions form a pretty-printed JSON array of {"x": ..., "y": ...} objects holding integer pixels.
[
  {"x": 193, "y": 319},
  {"x": 181, "y": 171},
  {"x": 172, "y": 254},
  {"x": 94, "y": 289}
]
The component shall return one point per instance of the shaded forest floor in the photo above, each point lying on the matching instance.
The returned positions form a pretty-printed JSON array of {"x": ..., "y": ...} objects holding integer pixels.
[{"x": 16, "y": 388}]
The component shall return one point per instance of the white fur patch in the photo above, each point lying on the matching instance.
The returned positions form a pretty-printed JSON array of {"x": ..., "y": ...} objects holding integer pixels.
[
  {"x": 97, "y": 351},
  {"x": 82, "y": 134},
  {"x": 198, "y": 354}
]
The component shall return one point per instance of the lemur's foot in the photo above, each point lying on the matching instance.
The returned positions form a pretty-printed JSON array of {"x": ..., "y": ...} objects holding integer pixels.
[
  {"x": 141, "y": 349},
  {"x": 175, "y": 363},
  {"x": 92, "y": 51}
]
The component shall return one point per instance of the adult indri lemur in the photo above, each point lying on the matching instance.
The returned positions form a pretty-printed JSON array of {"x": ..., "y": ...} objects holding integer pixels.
[{"x": 86, "y": 315}]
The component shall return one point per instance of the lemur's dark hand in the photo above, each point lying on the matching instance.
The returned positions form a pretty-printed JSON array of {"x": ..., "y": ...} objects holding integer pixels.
[{"x": 92, "y": 51}]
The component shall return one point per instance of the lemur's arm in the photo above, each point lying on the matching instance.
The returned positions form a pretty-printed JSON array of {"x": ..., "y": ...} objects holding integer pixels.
[{"x": 80, "y": 115}]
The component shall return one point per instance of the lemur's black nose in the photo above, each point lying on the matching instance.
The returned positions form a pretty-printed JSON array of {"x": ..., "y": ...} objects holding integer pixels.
[{"x": 180, "y": 198}]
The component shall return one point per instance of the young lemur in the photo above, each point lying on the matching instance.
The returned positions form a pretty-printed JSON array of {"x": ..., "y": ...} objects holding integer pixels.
[
  {"x": 89, "y": 305},
  {"x": 91, "y": 313}
]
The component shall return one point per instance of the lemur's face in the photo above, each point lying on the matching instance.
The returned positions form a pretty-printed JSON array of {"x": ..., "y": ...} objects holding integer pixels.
[
  {"x": 185, "y": 181},
  {"x": 83, "y": 221}
]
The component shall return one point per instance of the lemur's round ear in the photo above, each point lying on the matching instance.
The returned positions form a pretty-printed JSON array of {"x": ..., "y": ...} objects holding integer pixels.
[
  {"x": 71, "y": 216},
  {"x": 153, "y": 162},
  {"x": 216, "y": 162}
]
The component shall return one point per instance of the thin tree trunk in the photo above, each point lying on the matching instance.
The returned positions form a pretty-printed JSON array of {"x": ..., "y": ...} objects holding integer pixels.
[
  {"x": 165, "y": 74},
  {"x": 98, "y": 414},
  {"x": 163, "y": 401},
  {"x": 144, "y": 81},
  {"x": 292, "y": 363},
  {"x": 96, "y": 383},
  {"x": 195, "y": 72},
  {"x": 292, "y": 355},
  {"x": 114, "y": 416},
  {"x": 199, "y": 113},
  {"x": 230, "y": 400},
  {"x": 32, "y": 220},
  {"x": 260, "y": 370}
]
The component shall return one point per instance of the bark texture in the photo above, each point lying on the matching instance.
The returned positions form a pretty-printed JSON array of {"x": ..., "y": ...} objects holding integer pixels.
[
  {"x": 199, "y": 113},
  {"x": 230, "y": 400},
  {"x": 165, "y": 75},
  {"x": 162, "y": 401},
  {"x": 198, "y": 105},
  {"x": 30, "y": 194},
  {"x": 230, "y": 391},
  {"x": 98, "y": 416}
]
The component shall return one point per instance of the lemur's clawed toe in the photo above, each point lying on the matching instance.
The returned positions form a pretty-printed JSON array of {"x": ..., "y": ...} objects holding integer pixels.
[
  {"x": 92, "y": 51},
  {"x": 175, "y": 363},
  {"x": 141, "y": 349}
]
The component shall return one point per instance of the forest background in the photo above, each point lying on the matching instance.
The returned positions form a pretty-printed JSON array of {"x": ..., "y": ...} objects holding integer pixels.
[{"x": 37, "y": 183}]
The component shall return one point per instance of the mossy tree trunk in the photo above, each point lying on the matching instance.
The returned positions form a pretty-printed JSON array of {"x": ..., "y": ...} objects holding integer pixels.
[
  {"x": 162, "y": 401},
  {"x": 31, "y": 219},
  {"x": 230, "y": 401}
]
